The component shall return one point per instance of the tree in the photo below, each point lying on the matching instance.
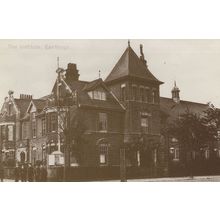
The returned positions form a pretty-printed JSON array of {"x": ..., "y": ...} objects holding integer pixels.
[
  {"x": 192, "y": 131},
  {"x": 72, "y": 126},
  {"x": 212, "y": 119}
]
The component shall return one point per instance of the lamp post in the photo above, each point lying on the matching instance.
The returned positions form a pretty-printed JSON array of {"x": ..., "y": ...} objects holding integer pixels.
[{"x": 123, "y": 163}]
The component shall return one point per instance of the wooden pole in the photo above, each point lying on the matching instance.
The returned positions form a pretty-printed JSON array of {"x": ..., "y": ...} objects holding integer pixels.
[{"x": 122, "y": 165}]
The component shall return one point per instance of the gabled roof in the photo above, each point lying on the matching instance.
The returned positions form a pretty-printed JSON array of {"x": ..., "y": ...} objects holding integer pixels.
[
  {"x": 91, "y": 85},
  {"x": 110, "y": 103},
  {"x": 22, "y": 105},
  {"x": 130, "y": 65},
  {"x": 40, "y": 104},
  {"x": 173, "y": 110}
]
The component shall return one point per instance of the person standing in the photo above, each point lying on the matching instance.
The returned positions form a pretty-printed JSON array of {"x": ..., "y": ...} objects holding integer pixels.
[
  {"x": 23, "y": 173},
  {"x": 17, "y": 173},
  {"x": 43, "y": 172},
  {"x": 37, "y": 174},
  {"x": 2, "y": 173},
  {"x": 30, "y": 173}
]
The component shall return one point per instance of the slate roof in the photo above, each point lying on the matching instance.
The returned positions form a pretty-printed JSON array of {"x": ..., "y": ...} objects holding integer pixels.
[
  {"x": 22, "y": 105},
  {"x": 91, "y": 85},
  {"x": 40, "y": 104},
  {"x": 173, "y": 110},
  {"x": 130, "y": 65}
]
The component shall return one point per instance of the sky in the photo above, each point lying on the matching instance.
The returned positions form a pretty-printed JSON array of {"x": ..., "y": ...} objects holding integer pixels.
[{"x": 29, "y": 66}]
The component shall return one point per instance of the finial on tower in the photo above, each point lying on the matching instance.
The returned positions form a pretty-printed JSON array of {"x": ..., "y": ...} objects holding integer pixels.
[
  {"x": 175, "y": 93},
  {"x": 129, "y": 43},
  {"x": 99, "y": 74},
  {"x": 142, "y": 55}
]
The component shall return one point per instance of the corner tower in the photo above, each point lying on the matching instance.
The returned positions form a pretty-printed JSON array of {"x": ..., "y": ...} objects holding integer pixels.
[{"x": 138, "y": 90}]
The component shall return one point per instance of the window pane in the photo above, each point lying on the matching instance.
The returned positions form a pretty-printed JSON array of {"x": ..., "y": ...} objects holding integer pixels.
[
  {"x": 144, "y": 124},
  {"x": 102, "y": 159},
  {"x": 102, "y": 121},
  {"x": 10, "y": 133}
]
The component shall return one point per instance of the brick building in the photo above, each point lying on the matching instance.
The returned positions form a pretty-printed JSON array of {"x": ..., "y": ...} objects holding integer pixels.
[{"x": 95, "y": 119}]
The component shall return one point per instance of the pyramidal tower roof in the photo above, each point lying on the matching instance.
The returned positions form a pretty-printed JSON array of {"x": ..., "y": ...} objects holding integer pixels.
[{"x": 131, "y": 65}]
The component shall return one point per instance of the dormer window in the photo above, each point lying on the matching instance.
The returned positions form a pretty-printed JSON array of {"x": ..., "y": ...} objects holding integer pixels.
[{"x": 98, "y": 95}]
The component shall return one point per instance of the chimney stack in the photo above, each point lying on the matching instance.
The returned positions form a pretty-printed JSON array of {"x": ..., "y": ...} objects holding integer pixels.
[
  {"x": 25, "y": 96},
  {"x": 72, "y": 72}
]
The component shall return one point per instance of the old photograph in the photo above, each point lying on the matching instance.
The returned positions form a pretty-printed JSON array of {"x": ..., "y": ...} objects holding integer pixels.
[{"x": 109, "y": 110}]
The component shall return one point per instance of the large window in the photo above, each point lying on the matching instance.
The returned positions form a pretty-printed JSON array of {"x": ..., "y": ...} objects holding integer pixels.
[
  {"x": 10, "y": 133},
  {"x": 43, "y": 122},
  {"x": 145, "y": 124},
  {"x": 102, "y": 125},
  {"x": 103, "y": 156}
]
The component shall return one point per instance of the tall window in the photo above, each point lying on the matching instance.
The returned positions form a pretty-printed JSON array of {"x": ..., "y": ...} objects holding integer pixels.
[
  {"x": 102, "y": 122},
  {"x": 134, "y": 92},
  {"x": 10, "y": 133},
  {"x": 34, "y": 129},
  {"x": 147, "y": 95},
  {"x": 33, "y": 125},
  {"x": 207, "y": 154},
  {"x": 53, "y": 122},
  {"x": 142, "y": 96},
  {"x": 103, "y": 156},
  {"x": 155, "y": 156},
  {"x": 123, "y": 95},
  {"x": 145, "y": 124},
  {"x": 176, "y": 154},
  {"x": 153, "y": 96},
  {"x": 138, "y": 158},
  {"x": 43, "y": 122}
]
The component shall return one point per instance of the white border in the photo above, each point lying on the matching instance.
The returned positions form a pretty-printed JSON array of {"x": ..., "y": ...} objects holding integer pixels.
[{"x": 86, "y": 19}]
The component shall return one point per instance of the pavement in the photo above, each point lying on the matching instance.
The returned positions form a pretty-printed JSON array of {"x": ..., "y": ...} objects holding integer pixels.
[
  {"x": 166, "y": 179},
  {"x": 180, "y": 179}
]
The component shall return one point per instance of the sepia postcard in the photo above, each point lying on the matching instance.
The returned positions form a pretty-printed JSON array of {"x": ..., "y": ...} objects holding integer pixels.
[{"x": 109, "y": 110}]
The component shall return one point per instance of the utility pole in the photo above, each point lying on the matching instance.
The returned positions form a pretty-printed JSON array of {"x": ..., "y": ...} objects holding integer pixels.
[{"x": 123, "y": 164}]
